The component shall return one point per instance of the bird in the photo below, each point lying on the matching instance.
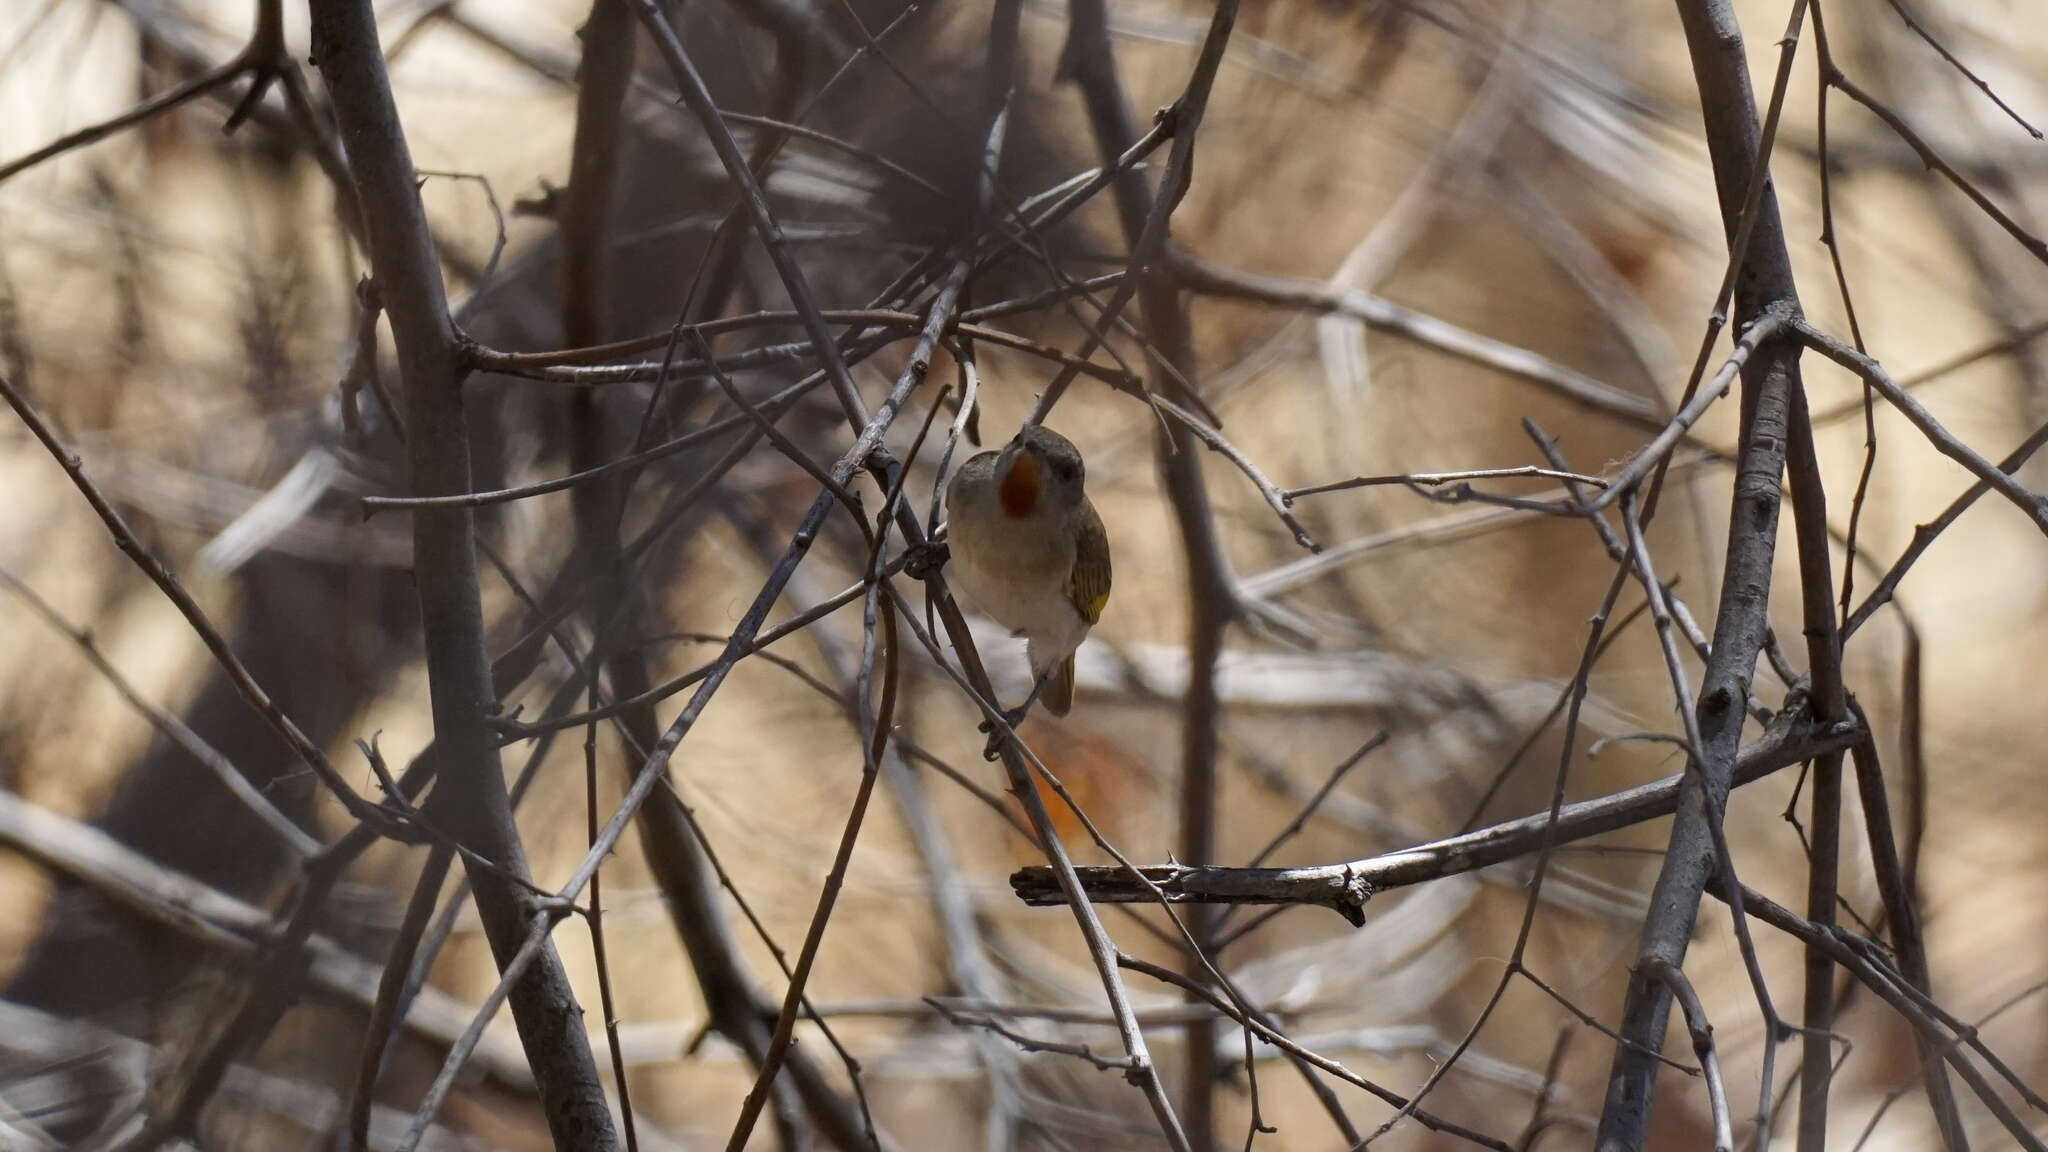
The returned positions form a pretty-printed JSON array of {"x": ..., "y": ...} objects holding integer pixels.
[{"x": 1029, "y": 550}]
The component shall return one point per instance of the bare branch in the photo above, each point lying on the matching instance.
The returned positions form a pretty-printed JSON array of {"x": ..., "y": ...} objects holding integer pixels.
[
  {"x": 160, "y": 574},
  {"x": 1928, "y": 156},
  {"x": 1345, "y": 888},
  {"x": 173, "y": 729},
  {"x": 1438, "y": 479},
  {"x": 1703, "y": 1047},
  {"x": 1759, "y": 277},
  {"x": 1944, "y": 441},
  {"x": 1311, "y": 296},
  {"x": 469, "y": 797}
]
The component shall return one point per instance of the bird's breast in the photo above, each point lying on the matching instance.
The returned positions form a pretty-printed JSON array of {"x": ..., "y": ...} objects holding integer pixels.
[{"x": 1015, "y": 571}]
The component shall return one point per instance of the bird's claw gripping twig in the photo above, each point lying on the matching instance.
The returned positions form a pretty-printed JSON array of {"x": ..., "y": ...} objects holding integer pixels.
[
  {"x": 996, "y": 736},
  {"x": 922, "y": 559},
  {"x": 1011, "y": 718}
]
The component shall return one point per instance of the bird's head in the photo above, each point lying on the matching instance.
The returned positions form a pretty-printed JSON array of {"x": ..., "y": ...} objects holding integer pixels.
[{"x": 1036, "y": 468}]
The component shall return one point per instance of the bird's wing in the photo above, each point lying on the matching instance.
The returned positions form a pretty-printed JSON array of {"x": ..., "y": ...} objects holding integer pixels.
[{"x": 1088, "y": 588}]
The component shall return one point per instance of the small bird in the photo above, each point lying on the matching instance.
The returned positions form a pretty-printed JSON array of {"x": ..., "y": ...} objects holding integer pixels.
[{"x": 1029, "y": 550}]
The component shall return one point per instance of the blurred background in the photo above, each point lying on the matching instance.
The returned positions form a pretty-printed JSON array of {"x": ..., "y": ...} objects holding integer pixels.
[{"x": 1508, "y": 195}]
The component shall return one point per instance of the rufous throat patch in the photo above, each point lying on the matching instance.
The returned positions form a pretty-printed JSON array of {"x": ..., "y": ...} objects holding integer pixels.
[{"x": 1019, "y": 491}]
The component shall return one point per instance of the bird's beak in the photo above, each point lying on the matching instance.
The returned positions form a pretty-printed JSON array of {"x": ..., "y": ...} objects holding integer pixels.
[{"x": 1011, "y": 451}]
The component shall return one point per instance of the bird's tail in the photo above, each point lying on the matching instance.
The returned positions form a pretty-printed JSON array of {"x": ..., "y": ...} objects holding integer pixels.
[{"x": 1059, "y": 691}]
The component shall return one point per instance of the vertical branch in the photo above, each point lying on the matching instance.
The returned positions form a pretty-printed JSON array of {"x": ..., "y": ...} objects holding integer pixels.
[
  {"x": 1088, "y": 60},
  {"x": 678, "y": 863},
  {"x": 804, "y": 43},
  {"x": 835, "y": 880},
  {"x": 1825, "y": 61},
  {"x": 1763, "y": 281},
  {"x": 602, "y": 79},
  {"x": 1212, "y": 606},
  {"x": 697, "y": 97},
  {"x": 469, "y": 799},
  {"x": 1824, "y": 658}
]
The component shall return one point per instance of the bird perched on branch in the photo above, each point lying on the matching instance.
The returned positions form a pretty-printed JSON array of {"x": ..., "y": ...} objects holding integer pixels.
[{"x": 1029, "y": 550}]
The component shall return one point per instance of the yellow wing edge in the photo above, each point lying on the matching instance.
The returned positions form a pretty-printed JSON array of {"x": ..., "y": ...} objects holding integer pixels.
[{"x": 1088, "y": 588}]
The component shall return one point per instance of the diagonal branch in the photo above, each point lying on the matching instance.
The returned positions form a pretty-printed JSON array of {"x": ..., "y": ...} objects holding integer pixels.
[
  {"x": 173, "y": 729},
  {"x": 263, "y": 60},
  {"x": 159, "y": 573},
  {"x": 1994, "y": 477}
]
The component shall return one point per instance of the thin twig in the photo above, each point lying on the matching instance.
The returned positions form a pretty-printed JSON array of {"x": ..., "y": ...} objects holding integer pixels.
[
  {"x": 1702, "y": 1034},
  {"x": 1337, "y": 775},
  {"x": 173, "y": 729},
  {"x": 1926, "y": 534},
  {"x": 1436, "y": 479},
  {"x": 1204, "y": 277},
  {"x": 698, "y": 99},
  {"x": 386, "y": 1012},
  {"x": 1027, "y": 1043},
  {"x": 1932, "y": 159},
  {"x": 1922, "y": 1014},
  {"x": 1943, "y": 440},
  {"x": 1263, "y": 1027},
  {"x": 515, "y": 968},
  {"x": 160, "y": 574},
  {"x": 1276, "y": 499},
  {"x": 1895, "y": 890},
  {"x": 1654, "y": 454}
]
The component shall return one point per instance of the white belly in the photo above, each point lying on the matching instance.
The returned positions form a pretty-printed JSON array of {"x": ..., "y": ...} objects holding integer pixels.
[{"x": 1020, "y": 583}]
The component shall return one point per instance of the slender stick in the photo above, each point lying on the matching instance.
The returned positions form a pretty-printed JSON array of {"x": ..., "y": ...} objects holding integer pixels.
[
  {"x": 173, "y": 729},
  {"x": 2034, "y": 245},
  {"x": 1926, "y": 534},
  {"x": 1895, "y": 891},
  {"x": 385, "y": 1012},
  {"x": 1702, "y": 1034},
  {"x": 1201, "y": 276},
  {"x": 523, "y": 958},
  {"x": 698, "y": 99},
  {"x": 1088, "y": 55},
  {"x": 1830, "y": 703},
  {"x": 1921, "y": 1013},
  {"x": 1944, "y": 441},
  {"x": 160, "y": 574}
]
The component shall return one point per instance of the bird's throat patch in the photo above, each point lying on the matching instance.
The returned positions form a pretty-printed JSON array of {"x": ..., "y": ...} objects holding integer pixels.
[{"x": 1019, "y": 491}]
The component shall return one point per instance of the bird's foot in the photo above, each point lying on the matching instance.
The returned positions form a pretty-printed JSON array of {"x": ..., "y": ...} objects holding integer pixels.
[
  {"x": 996, "y": 736},
  {"x": 922, "y": 559},
  {"x": 1011, "y": 717}
]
